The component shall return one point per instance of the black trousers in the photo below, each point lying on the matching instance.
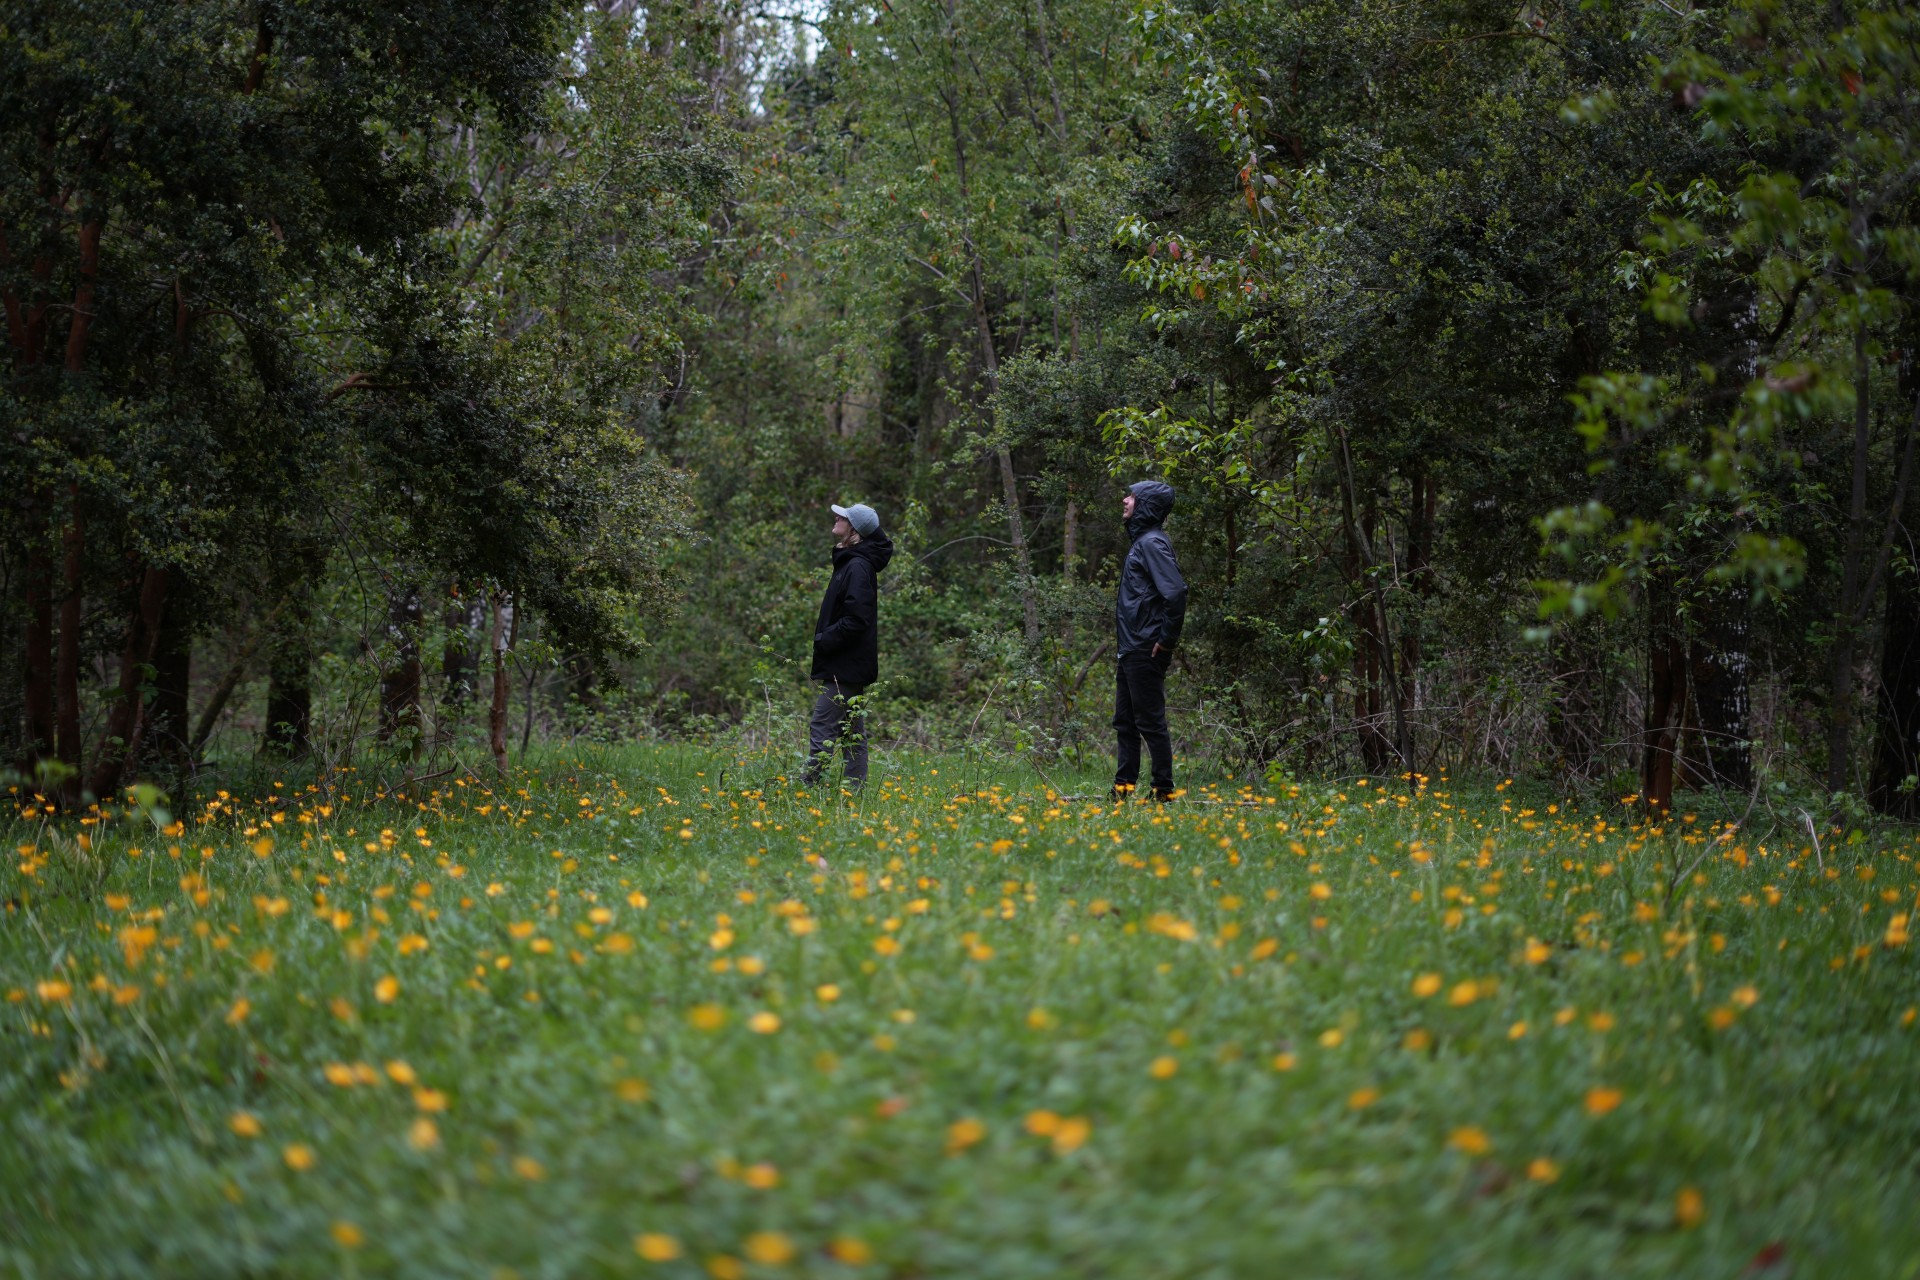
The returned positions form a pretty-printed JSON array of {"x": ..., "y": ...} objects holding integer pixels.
[
  {"x": 1140, "y": 711},
  {"x": 835, "y": 722}
]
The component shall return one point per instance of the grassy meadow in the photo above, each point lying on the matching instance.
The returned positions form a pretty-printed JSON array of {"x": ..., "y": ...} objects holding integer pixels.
[{"x": 656, "y": 1012}]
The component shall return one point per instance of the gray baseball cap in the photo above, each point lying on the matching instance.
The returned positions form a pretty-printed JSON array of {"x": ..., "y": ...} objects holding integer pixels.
[{"x": 864, "y": 519}]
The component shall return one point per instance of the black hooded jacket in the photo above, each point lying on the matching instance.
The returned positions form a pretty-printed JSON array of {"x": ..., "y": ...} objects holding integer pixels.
[
  {"x": 1152, "y": 603},
  {"x": 846, "y": 641}
]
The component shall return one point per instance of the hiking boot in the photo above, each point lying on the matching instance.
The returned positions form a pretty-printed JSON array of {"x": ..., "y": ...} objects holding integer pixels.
[{"x": 1121, "y": 793}]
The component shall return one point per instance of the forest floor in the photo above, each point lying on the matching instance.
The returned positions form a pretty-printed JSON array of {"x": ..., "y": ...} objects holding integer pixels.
[{"x": 654, "y": 1011}]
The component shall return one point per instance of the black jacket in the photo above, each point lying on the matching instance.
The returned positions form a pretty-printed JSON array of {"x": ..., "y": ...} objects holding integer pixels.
[
  {"x": 846, "y": 641},
  {"x": 1152, "y": 603}
]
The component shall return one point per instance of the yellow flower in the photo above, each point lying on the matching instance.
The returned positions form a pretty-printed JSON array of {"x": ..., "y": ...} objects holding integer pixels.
[
  {"x": 429, "y": 1099},
  {"x": 827, "y": 992},
  {"x": 761, "y": 1177},
  {"x": 339, "y": 1074},
  {"x": 54, "y": 991},
  {"x": 724, "y": 1266},
  {"x": 1464, "y": 993},
  {"x": 1600, "y": 1021},
  {"x": 1283, "y": 1062},
  {"x": 401, "y": 1074},
  {"x": 851, "y": 1251},
  {"x": 299, "y": 1157},
  {"x": 1417, "y": 1040},
  {"x": 764, "y": 1023},
  {"x": 1517, "y": 1030},
  {"x": 1470, "y": 1139},
  {"x": 1071, "y": 1135},
  {"x": 386, "y": 989},
  {"x": 638, "y": 900},
  {"x": 1043, "y": 1123},
  {"x": 1164, "y": 1066},
  {"x": 1746, "y": 997},
  {"x": 245, "y": 1124},
  {"x": 1541, "y": 1169},
  {"x": 656, "y": 1247},
  {"x": 1361, "y": 1099},
  {"x": 1332, "y": 1037},
  {"x": 528, "y": 1168},
  {"x": 1602, "y": 1099},
  {"x": 423, "y": 1134},
  {"x": 347, "y": 1235},
  {"x": 886, "y": 945},
  {"x": 1721, "y": 1018},
  {"x": 1538, "y": 952},
  {"x": 237, "y": 1014},
  {"x": 964, "y": 1133},
  {"x": 1320, "y": 892},
  {"x": 631, "y": 1090},
  {"x": 707, "y": 1017},
  {"x": 769, "y": 1248},
  {"x": 1689, "y": 1208},
  {"x": 1426, "y": 984}
]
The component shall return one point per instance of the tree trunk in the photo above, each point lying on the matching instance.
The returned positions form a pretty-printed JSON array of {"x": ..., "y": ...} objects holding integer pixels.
[
  {"x": 288, "y": 730},
  {"x": 166, "y": 734},
  {"x": 1070, "y": 540},
  {"x": 506, "y": 627},
  {"x": 66, "y": 662},
  {"x": 120, "y": 743},
  {"x": 1841, "y": 678},
  {"x": 989, "y": 355},
  {"x": 39, "y": 657},
  {"x": 1717, "y": 669},
  {"x": 1896, "y": 754},
  {"x": 1667, "y": 709},
  {"x": 459, "y": 665},
  {"x": 400, "y": 683}
]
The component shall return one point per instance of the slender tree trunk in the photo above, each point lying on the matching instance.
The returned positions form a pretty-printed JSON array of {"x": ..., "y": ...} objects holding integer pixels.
[
  {"x": 66, "y": 662},
  {"x": 1667, "y": 710},
  {"x": 1841, "y": 677},
  {"x": 39, "y": 656},
  {"x": 400, "y": 684},
  {"x": 989, "y": 355},
  {"x": 120, "y": 743},
  {"x": 82, "y": 326},
  {"x": 506, "y": 626},
  {"x": 223, "y": 692},
  {"x": 166, "y": 734},
  {"x": 1896, "y": 755},
  {"x": 1070, "y": 540},
  {"x": 289, "y": 730},
  {"x": 1718, "y": 666}
]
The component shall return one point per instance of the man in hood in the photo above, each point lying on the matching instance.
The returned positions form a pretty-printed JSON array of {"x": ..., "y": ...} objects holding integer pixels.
[
  {"x": 1148, "y": 614},
  {"x": 846, "y": 643}
]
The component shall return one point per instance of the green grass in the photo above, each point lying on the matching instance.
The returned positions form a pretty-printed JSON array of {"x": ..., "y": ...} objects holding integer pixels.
[{"x": 1049, "y": 954}]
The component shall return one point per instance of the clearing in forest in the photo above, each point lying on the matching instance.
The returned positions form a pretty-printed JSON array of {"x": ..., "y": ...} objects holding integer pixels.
[{"x": 651, "y": 1013}]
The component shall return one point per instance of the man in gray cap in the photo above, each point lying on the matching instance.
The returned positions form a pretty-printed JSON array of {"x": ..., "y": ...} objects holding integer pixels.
[
  {"x": 846, "y": 642},
  {"x": 1148, "y": 612}
]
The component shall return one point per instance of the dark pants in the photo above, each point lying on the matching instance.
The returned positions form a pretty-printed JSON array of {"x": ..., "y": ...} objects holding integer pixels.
[
  {"x": 835, "y": 721},
  {"x": 1140, "y": 711}
]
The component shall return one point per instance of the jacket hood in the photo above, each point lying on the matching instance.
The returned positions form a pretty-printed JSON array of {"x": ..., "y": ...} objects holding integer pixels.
[
  {"x": 876, "y": 548},
  {"x": 1152, "y": 502}
]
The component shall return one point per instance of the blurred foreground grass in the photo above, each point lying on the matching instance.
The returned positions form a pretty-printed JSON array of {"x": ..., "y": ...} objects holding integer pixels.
[{"x": 635, "y": 1015}]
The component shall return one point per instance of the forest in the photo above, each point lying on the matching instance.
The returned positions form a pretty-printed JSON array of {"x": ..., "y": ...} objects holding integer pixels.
[{"x": 391, "y": 387}]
